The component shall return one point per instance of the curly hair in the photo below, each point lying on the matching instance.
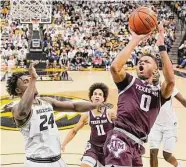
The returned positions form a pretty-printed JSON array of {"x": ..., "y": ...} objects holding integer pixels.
[
  {"x": 101, "y": 86},
  {"x": 12, "y": 83}
]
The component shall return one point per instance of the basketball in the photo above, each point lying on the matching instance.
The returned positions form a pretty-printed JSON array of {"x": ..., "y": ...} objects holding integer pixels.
[{"x": 143, "y": 20}]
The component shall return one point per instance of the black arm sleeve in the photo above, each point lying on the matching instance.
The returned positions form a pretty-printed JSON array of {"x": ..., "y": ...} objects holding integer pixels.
[
  {"x": 123, "y": 84},
  {"x": 163, "y": 100}
]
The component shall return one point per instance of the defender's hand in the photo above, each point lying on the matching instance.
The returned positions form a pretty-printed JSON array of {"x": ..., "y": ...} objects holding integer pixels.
[
  {"x": 100, "y": 106},
  {"x": 108, "y": 105},
  {"x": 32, "y": 70}
]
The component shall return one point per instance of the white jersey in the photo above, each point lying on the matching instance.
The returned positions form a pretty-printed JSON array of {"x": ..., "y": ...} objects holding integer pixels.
[
  {"x": 41, "y": 133},
  {"x": 167, "y": 115}
]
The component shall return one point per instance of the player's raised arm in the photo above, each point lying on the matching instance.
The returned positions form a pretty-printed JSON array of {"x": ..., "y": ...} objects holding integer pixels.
[
  {"x": 72, "y": 132},
  {"x": 23, "y": 108},
  {"x": 117, "y": 70},
  {"x": 112, "y": 114},
  {"x": 79, "y": 106},
  {"x": 181, "y": 99},
  {"x": 168, "y": 84}
]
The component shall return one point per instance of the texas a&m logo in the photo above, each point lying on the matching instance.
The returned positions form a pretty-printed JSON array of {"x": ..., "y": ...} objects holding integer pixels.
[{"x": 116, "y": 146}]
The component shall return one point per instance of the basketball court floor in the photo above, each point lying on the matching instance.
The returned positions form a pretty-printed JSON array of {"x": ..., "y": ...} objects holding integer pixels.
[{"x": 12, "y": 143}]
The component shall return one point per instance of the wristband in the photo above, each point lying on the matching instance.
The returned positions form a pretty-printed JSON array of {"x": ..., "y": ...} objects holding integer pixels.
[{"x": 162, "y": 48}]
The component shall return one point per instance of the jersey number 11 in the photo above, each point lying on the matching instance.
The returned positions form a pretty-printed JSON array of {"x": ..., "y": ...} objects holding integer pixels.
[{"x": 100, "y": 130}]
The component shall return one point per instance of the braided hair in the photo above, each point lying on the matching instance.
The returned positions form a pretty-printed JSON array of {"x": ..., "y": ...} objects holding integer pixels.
[{"x": 12, "y": 83}]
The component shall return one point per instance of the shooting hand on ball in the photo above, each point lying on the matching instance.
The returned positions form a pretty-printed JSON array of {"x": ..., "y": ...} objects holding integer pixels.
[{"x": 139, "y": 37}]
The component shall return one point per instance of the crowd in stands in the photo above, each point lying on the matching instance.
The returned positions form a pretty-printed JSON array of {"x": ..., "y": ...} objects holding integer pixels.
[
  {"x": 89, "y": 34},
  {"x": 83, "y": 34},
  {"x": 179, "y": 7},
  {"x": 14, "y": 40}
]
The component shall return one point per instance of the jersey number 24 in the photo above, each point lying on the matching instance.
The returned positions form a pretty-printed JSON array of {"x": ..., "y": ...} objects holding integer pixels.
[{"x": 46, "y": 122}]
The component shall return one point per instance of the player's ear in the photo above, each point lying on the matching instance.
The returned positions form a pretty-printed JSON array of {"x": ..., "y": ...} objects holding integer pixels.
[
  {"x": 154, "y": 71},
  {"x": 17, "y": 90}
]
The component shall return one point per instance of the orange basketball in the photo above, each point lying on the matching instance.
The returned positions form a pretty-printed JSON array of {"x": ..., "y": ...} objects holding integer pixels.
[{"x": 143, "y": 20}]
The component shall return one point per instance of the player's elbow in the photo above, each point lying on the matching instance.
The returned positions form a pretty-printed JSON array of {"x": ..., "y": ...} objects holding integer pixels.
[
  {"x": 114, "y": 69},
  {"x": 171, "y": 83},
  {"x": 21, "y": 112},
  {"x": 170, "y": 86},
  {"x": 169, "y": 89},
  {"x": 21, "y": 115}
]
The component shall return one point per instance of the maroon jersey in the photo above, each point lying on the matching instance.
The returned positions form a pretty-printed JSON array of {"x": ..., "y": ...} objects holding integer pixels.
[
  {"x": 100, "y": 125},
  {"x": 138, "y": 106}
]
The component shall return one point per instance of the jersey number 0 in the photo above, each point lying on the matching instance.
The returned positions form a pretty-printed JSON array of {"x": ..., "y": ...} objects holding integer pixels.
[{"x": 145, "y": 102}]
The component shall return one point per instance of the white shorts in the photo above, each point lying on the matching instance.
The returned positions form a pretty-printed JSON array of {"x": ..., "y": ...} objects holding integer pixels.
[
  {"x": 59, "y": 163},
  {"x": 165, "y": 134}
]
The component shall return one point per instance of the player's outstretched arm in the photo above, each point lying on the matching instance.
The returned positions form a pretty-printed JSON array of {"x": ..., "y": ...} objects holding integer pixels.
[
  {"x": 112, "y": 114},
  {"x": 23, "y": 108},
  {"x": 80, "y": 106},
  {"x": 117, "y": 70},
  {"x": 181, "y": 99},
  {"x": 72, "y": 132},
  {"x": 168, "y": 85}
]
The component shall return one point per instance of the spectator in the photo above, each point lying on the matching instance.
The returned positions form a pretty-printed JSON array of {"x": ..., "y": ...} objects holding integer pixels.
[
  {"x": 11, "y": 63},
  {"x": 97, "y": 62},
  {"x": 182, "y": 55},
  {"x": 182, "y": 49},
  {"x": 7, "y": 53}
]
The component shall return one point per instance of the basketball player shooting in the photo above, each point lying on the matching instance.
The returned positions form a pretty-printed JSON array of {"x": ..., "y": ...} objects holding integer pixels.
[
  {"x": 34, "y": 117},
  {"x": 139, "y": 103}
]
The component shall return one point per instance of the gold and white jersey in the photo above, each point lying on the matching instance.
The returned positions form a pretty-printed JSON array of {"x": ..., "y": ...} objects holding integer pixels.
[{"x": 40, "y": 132}]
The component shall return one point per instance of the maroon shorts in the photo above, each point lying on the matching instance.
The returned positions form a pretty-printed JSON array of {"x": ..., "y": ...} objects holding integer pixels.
[
  {"x": 93, "y": 155},
  {"x": 120, "y": 150}
]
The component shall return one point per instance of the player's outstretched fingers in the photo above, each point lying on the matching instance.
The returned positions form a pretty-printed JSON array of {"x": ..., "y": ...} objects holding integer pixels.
[
  {"x": 35, "y": 62},
  {"x": 108, "y": 105},
  {"x": 32, "y": 70}
]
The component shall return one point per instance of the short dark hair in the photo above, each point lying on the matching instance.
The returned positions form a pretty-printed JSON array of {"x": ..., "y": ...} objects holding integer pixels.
[
  {"x": 153, "y": 57},
  {"x": 11, "y": 83},
  {"x": 101, "y": 86}
]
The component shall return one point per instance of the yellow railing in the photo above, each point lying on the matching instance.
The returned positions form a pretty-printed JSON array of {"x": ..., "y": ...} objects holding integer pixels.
[{"x": 62, "y": 70}]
